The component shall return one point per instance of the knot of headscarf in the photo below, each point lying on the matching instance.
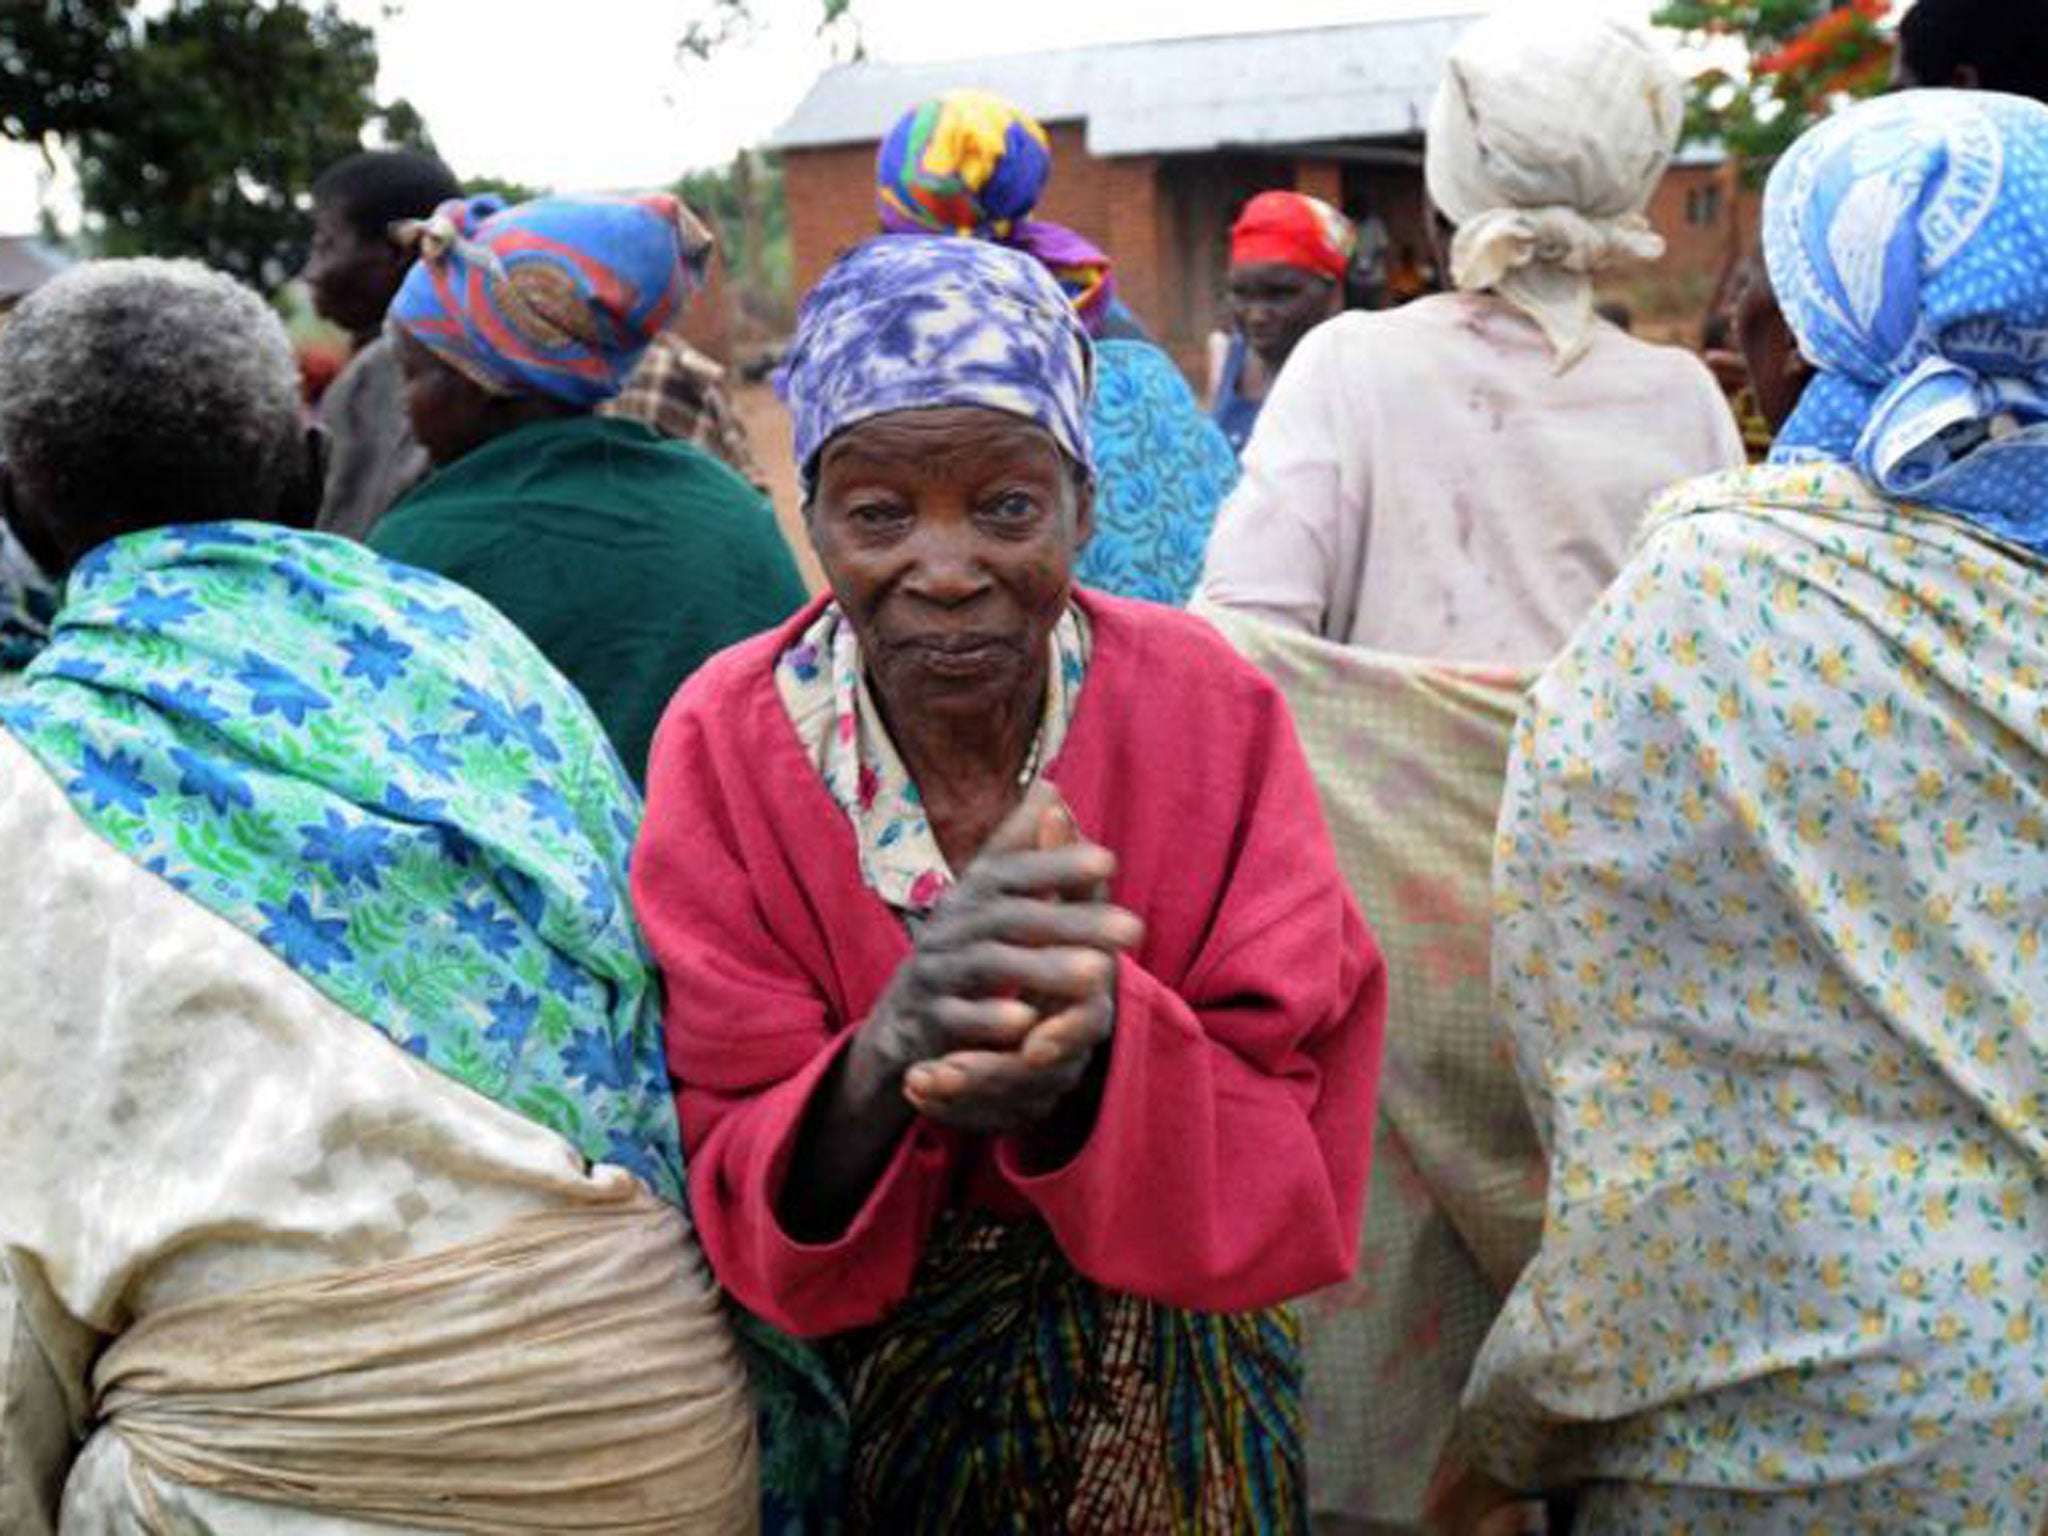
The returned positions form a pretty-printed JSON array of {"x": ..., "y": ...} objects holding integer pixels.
[
  {"x": 915, "y": 322},
  {"x": 444, "y": 230},
  {"x": 559, "y": 296},
  {"x": 1907, "y": 240},
  {"x": 971, "y": 163},
  {"x": 1545, "y": 146}
]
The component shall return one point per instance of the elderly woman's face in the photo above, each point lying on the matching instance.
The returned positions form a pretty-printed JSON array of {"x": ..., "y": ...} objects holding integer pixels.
[{"x": 949, "y": 539}]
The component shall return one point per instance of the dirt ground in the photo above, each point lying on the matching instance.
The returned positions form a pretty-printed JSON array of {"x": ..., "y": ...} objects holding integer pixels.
[{"x": 769, "y": 433}]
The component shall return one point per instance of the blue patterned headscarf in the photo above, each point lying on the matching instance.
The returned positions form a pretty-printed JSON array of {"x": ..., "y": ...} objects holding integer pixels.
[
  {"x": 560, "y": 296},
  {"x": 1907, "y": 240},
  {"x": 369, "y": 771},
  {"x": 914, "y": 322}
]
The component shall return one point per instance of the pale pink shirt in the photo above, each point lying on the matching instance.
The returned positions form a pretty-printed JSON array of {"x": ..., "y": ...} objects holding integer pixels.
[{"x": 1424, "y": 481}]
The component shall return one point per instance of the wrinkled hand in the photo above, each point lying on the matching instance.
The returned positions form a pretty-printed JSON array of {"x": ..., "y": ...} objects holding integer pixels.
[{"x": 1011, "y": 992}]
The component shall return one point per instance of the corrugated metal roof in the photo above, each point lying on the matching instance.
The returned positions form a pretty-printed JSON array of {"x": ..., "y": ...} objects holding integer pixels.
[{"x": 1178, "y": 95}]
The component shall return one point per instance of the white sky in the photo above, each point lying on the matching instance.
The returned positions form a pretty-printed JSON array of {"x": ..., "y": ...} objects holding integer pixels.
[{"x": 586, "y": 94}]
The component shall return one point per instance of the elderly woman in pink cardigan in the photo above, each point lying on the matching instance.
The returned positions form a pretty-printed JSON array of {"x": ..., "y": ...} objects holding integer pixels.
[{"x": 1028, "y": 1035}]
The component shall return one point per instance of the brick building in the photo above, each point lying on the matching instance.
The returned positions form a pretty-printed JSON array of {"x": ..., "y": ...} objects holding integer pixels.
[{"x": 1157, "y": 145}]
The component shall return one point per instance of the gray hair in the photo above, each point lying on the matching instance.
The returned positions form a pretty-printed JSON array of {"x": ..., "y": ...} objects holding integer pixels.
[{"x": 144, "y": 392}]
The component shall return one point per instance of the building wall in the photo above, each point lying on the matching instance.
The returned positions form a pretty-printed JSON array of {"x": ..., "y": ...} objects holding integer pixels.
[
  {"x": 1709, "y": 221},
  {"x": 1116, "y": 203},
  {"x": 1705, "y": 216},
  {"x": 831, "y": 196},
  {"x": 1167, "y": 220}
]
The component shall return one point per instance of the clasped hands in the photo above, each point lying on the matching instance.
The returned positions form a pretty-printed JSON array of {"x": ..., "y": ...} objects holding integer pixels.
[{"x": 1011, "y": 993}]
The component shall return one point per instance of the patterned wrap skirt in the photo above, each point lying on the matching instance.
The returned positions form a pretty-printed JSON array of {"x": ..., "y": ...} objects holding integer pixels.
[{"x": 1010, "y": 1394}]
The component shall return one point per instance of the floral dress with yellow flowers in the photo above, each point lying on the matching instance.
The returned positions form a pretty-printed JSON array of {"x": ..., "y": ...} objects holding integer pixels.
[{"x": 1772, "y": 881}]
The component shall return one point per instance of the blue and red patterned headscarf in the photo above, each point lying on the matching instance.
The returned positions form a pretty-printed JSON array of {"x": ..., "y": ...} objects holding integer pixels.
[
  {"x": 559, "y": 296},
  {"x": 972, "y": 164}
]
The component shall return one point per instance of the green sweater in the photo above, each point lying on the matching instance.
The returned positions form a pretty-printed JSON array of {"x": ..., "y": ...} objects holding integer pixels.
[{"x": 626, "y": 558}]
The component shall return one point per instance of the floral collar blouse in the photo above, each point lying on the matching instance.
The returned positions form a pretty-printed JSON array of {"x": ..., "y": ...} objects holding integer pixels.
[{"x": 824, "y": 686}]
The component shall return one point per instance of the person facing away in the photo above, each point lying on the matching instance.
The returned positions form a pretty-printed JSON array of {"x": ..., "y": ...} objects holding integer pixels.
[
  {"x": 627, "y": 557},
  {"x": 1770, "y": 878},
  {"x": 1433, "y": 497},
  {"x": 1458, "y": 478},
  {"x": 1990, "y": 45},
  {"x": 1028, "y": 1037},
  {"x": 354, "y": 267},
  {"x": 972, "y": 164},
  {"x": 1289, "y": 253},
  {"x": 344, "y": 1190}
]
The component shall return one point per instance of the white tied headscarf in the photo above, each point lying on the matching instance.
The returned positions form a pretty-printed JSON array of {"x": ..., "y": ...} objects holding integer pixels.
[{"x": 1547, "y": 139}]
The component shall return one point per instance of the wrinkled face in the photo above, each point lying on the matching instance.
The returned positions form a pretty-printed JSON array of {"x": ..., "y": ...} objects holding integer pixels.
[
  {"x": 949, "y": 538},
  {"x": 1274, "y": 306},
  {"x": 353, "y": 277},
  {"x": 450, "y": 414}
]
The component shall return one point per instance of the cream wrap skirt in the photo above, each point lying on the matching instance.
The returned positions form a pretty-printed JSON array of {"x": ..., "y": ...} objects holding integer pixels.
[{"x": 570, "y": 1372}]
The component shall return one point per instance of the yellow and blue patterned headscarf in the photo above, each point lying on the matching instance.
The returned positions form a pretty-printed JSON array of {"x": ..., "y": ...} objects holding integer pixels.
[
  {"x": 368, "y": 770},
  {"x": 972, "y": 164},
  {"x": 968, "y": 163},
  {"x": 559, "y": 296},
  {"x": 1907, "y": 240},
  {"x": 913, "y": 322}
]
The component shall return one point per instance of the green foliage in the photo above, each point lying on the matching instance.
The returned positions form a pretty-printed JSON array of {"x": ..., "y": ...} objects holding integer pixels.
[
  {"x": 744, "y": 203},
  {"x": 59, "y": 65},
  {"x": 404, "y": 128},
  {"x": 1801, "y": 57},
  {"x": 197, "y": 125},
  {"x": 1765, "y": 24},
  {"x": 505, "y": 187}
]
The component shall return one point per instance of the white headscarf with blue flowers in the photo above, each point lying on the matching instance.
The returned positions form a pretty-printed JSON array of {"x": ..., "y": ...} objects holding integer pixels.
[{"x": 1907, "y": 240}]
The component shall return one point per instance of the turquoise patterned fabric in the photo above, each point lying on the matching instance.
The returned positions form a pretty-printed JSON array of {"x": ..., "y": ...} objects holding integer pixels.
[
  {"x": 1162, "y": 469},
  {"x": 370, "y": 771}
]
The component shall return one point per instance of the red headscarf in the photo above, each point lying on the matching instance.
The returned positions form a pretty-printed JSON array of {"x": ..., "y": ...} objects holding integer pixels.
[{"x": 1292, "y": 229}]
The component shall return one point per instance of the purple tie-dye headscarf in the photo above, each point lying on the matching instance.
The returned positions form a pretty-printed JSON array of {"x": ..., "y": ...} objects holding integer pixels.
[{"x": 914, "y": 322}]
